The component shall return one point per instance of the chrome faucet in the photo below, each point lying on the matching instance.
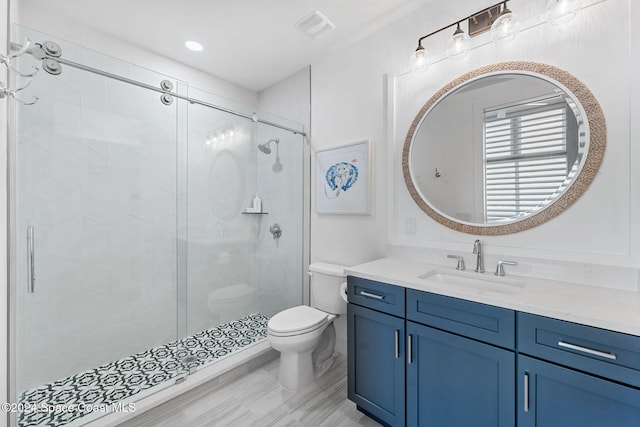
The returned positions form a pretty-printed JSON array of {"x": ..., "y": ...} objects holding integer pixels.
[{"x": 477, "y": 250}]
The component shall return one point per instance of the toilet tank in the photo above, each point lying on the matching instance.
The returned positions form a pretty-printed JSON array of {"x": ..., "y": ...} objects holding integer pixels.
[{"x": 324, "y": 283}]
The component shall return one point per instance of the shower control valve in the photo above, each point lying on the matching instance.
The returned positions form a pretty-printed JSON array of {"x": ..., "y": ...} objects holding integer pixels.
[{"x": 275, "y": 230}]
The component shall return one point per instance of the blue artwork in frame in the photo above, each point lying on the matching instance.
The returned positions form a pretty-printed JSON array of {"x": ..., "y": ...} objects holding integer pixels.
[{"x": 342, "y": 179}]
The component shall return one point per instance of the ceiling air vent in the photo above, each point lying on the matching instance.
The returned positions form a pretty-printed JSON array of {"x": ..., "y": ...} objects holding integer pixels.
[{"x": 315, "y": 24}]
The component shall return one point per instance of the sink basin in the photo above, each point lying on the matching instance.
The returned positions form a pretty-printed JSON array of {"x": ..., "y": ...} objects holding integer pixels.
[{"x": 471, "y": 281}]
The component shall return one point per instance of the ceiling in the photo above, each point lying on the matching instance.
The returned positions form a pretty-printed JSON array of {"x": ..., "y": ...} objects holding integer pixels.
[{"x": 252, "y": 43}]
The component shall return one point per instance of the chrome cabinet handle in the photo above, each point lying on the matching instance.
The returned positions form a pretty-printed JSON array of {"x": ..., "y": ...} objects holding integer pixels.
[
  {"x": 368, "y": 295},
  {"x": 409, "y": 349},
  {"x": 526, "y": 392},
  {"x": 397, "y": 343},
  {"x": 610, "y": 356},
  {"x": 31, "y": 277}
]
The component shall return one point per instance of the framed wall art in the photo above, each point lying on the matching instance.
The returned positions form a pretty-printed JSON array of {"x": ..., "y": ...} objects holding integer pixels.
[{"x": 342, "y": 179}]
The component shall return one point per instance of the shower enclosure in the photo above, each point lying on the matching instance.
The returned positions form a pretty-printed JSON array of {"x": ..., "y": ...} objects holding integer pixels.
[{"x": 131, "y": 236}]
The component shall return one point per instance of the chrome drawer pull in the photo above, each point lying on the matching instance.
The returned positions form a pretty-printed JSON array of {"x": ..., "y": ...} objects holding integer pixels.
[
  {"x": 610, "y": 356},
  {"x": 368, "y": 295},
  {"x": 397, "y": 343},
  {"x": 526, "y": 392},
  {"x": 410, "y": 349}
]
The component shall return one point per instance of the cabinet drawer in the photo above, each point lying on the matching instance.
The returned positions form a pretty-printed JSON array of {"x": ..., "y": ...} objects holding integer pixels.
[
  {"x": 601, "y": 352},
  {"x": 376, "y": 295},
  {"x": 482, "y": 322}
]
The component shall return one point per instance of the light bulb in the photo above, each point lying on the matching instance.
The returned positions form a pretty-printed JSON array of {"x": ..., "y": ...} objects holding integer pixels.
[
  {"x": 559, "y": 12},
  {"x": 506, "y": 27},
  {"x": 419, "y": 59},
  {"x": 458, "y": 44}
]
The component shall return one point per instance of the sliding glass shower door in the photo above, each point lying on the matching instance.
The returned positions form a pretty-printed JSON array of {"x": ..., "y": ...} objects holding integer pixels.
[
  {"x": 137, "y": 256},
  {"x": 96, "y": 188},
  {"x": 242, "y": 262}
]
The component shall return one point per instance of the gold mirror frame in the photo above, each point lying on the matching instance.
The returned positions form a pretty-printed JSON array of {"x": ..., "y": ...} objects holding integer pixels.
[{"x": 597, "y": 143}]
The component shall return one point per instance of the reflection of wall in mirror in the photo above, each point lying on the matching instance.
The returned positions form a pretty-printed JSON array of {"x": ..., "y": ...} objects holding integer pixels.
[{"x": 452, "y": 156}]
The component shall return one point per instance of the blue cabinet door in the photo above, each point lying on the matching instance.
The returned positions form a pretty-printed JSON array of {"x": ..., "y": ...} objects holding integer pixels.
[
  {"x": 457, "y": 382},
  {"x": 553, "y": 396},
  {"x": 376, "y": 364}
]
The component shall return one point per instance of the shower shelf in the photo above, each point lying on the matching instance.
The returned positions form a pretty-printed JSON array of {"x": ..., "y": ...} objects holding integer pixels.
[{"x": 254, "y": 213}]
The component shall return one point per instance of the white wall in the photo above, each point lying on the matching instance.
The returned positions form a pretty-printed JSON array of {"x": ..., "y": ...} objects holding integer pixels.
[{"x": 350, "y": 101}]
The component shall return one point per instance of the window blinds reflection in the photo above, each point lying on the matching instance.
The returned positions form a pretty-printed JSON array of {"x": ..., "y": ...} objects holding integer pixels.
[{"x": 527, "y": 156}]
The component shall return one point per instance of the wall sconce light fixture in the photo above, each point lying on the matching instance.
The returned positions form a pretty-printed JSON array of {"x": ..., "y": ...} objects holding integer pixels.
[
  {"x": 506, "y": 26},
  {"x": 458, "y": 44},
  {"x": 559, "y": 12},
  {"x": 503, "y": 24}
]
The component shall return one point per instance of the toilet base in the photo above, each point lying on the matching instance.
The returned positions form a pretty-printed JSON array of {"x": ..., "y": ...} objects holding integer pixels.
[
  {"x": 320, "y": 369},
  {"x": 296, "y": 370},
  {"x": 300, "y": 368}
]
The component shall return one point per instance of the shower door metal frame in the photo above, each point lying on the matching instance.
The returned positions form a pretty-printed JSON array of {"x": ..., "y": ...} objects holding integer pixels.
[{"x": 253, "y": 117}]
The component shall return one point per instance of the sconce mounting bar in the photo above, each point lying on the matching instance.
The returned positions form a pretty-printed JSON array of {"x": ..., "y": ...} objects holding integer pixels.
[{"x": 489, "y": 10}]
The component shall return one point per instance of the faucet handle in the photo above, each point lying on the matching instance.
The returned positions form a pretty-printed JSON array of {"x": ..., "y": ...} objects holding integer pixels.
[
  {"x": 460, "y": 259},
  {"x": 500, "y": 267}
]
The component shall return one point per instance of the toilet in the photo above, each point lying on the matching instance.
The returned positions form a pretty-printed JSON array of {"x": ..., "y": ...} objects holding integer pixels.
[{"x": 305, "y": 335}]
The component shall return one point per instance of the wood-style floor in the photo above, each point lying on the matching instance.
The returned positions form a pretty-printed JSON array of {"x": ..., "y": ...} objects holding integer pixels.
[{"x": 252, "y": 397}]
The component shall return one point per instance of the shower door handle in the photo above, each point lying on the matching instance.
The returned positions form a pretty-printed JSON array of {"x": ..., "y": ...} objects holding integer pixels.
[{"x": 31, "y": 277}]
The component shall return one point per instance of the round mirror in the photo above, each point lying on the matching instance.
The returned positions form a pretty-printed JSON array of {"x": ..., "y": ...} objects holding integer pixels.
[{"x": 504, "y": 148}]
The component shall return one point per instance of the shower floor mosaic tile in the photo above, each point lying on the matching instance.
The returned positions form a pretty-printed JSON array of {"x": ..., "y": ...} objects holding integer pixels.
[{"x": 65, "y": 401}]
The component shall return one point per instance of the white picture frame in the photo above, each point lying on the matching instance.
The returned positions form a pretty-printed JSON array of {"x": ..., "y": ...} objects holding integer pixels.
[{"x": 342, "y": 179}]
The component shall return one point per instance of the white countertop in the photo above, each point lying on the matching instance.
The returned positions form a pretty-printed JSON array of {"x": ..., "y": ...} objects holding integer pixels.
[{"x": 611, "y": 309}]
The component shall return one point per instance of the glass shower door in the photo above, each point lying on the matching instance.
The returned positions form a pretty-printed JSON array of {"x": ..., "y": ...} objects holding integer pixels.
[
  {"x": 279, "y": 264},
  {"x": 240, "y": 269},
  {"x": 96, "y": 190}
]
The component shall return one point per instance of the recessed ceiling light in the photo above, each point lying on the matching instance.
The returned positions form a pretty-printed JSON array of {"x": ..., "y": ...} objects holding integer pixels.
[{"x": 192, "y": 45}]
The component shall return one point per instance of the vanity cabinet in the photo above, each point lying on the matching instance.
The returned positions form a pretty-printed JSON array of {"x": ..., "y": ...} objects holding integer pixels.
[
  {"x": 576, "y": 375},
  {"x": 457, "y": 375},
  {"x": 376, "y": 350},
  {"x": 414, "y": 350},
  {"x": 423, "y": 359}
]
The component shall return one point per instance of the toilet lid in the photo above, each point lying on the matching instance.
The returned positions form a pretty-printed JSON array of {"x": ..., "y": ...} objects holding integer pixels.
[{"x": 300, "y": 318}]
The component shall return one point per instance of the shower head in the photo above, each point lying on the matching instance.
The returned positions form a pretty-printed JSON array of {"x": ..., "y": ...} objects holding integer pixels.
[{"x": 264, "y": 147}]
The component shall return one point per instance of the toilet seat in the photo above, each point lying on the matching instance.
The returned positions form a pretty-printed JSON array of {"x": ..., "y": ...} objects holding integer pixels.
[{"x": 297, "y": 321}]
